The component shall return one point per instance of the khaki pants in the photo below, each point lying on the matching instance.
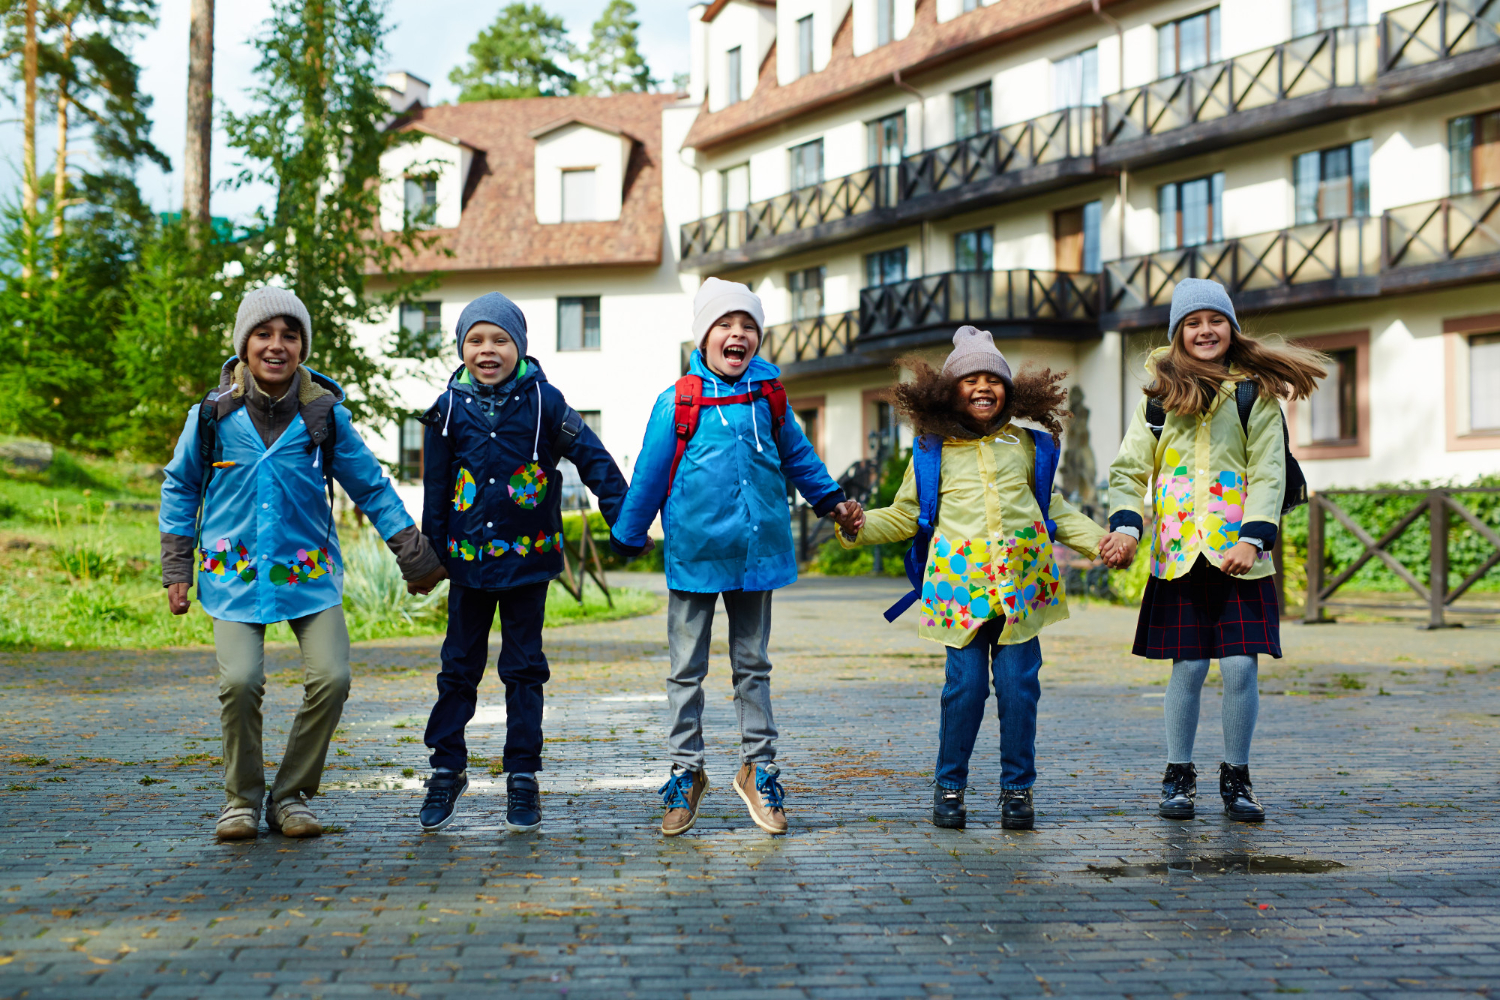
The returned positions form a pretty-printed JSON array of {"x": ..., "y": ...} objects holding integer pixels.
[{"x": 324, "y": 641}]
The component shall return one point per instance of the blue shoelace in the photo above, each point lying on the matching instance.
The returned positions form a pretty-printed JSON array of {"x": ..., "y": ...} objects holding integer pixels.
[
  {"x": 674, "y": 792},
  {"x": 769, "y": 788}
]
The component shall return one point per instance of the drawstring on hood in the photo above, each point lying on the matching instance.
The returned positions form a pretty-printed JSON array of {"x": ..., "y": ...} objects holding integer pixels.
[
  {"x": 537, "y": 441},
  {"x": 449, "y": 417},
  {"x": 723, "y": 421}
]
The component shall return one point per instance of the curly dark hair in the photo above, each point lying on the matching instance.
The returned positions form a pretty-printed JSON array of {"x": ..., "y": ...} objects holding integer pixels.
[{"x": 929, "y": 401}]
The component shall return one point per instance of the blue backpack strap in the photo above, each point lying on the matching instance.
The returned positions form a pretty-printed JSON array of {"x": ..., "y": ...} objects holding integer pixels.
[
  {"x": 927, "y": 466},
  {"x": 1046, "y": 473}
]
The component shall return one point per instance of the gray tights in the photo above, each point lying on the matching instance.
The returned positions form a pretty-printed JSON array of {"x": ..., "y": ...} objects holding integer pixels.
[{"x": 1241, "y": 705}]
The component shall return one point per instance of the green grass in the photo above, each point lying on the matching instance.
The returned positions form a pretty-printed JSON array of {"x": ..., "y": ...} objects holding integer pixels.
[{"x": 79, "y": 569}]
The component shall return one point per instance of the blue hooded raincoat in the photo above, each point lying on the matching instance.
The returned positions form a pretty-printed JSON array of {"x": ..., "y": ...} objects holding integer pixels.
[
  {"x": 268, "y": 552},
  {"x": 727, "y": 523}
]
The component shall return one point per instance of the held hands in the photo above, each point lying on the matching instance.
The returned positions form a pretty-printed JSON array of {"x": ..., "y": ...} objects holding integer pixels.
[
  {"x": 177, "y": 598},
  {"x": 1238, "y": 560},
  {"x": 850, "y": 517},
  {"x": 1118, "y": 550},
  {"x": 424, "y": 586}
]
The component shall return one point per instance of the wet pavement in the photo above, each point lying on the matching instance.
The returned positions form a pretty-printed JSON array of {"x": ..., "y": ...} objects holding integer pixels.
[{"x": 1376, "y": 874}]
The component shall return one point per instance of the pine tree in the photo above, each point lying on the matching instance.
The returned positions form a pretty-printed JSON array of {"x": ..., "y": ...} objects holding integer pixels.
[
  {"x": 518, "y": 56},
  {"x": 613, "y": 59}
]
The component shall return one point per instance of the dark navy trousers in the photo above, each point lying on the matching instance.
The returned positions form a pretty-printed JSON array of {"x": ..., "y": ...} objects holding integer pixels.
[{"x": 522, "y": 667}]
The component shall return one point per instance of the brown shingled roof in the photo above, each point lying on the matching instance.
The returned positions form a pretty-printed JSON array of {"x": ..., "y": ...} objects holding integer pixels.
[
  {"x": 499, "y": 229},
  {"x": 928, "y": 46}
]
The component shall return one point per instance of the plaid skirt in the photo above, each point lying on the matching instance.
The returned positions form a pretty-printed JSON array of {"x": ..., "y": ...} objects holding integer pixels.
[{"x": 1206, "y": 615}]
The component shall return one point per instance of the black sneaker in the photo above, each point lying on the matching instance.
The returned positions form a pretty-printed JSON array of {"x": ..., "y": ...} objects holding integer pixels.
[
  {"x": 1015, "y": 809},
  {"x": 523, "y": 803},
  {"x": 441, "y": 804},
  {"x": 1178, "y": 786},
  {"x": 1240, "y": 802},
  {"x": 948, "y": 808}
]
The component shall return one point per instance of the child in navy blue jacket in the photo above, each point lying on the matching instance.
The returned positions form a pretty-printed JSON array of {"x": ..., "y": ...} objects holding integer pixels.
[{"x": 492, "y": 503}]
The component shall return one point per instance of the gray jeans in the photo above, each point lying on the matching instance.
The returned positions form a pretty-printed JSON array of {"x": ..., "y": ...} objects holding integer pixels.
[
  {"x": 690, "y": 619},
  {"x": 324, "y": 642}
]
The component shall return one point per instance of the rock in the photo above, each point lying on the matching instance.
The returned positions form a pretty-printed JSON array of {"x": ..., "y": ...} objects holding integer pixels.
[{"x": 26, "y": 454}]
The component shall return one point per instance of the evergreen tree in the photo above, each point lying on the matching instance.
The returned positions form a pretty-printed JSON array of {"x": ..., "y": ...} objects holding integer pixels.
[
  {"x": 613, "y": 59},
  {"x": 518, "y": 56}
]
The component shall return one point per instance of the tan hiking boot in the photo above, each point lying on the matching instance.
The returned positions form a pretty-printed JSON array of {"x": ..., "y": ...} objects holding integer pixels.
[
  {"x": 292, "y": 818},
  {"x": 238, "y": 823},
  {"x": 682, "y": 794},
  {"x": 757, "y": 784}
]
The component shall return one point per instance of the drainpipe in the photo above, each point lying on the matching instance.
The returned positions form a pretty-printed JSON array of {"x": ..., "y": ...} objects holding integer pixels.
[{"x": 1120, "y": 199}]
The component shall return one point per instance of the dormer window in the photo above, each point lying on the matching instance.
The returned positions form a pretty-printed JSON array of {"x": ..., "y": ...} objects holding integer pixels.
[
  {"x": 732, "y": 58},
  {"x": 580, "y": 202},
  {"x": 805, "y": 45},
  {"x": 421, "y": 201},
  {"x": 885, "y": 21}
]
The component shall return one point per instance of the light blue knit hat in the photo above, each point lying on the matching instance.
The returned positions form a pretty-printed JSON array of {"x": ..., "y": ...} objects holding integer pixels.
[{"x": 1192, "y": 294}]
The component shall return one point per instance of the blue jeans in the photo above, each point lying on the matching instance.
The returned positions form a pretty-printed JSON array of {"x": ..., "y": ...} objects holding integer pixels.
[{"x": 1018, "y": 688}]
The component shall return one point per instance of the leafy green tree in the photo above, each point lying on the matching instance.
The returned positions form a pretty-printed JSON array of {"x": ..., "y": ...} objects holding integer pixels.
[
  {"x": 612, "y": 58},
  {"x": 518, "y": 56},
  {"x": 316, "y": 136}
]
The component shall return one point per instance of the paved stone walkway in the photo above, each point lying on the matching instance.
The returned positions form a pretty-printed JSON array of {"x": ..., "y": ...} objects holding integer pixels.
[{"x": 112, "y": 886}]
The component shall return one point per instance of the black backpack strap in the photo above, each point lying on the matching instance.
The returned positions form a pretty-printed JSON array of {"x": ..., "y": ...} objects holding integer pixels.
[
  {"x": 567, "y": 432},
  {"x": 1244, "y": 398},
  {"x": 1156, "y": 416}
]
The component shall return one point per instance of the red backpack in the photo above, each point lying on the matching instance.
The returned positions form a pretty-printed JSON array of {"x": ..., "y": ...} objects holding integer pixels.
[{"x": 690, "y": 401}]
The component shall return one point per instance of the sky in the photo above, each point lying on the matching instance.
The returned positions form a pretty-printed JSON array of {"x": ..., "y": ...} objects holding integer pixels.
[{"x": 428, "y": 38}]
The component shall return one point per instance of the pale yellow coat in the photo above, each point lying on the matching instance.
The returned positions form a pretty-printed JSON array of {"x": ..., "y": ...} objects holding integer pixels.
[{"x": 990, "y": 555}]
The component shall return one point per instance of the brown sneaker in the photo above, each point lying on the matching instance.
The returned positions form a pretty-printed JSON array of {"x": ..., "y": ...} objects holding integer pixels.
[
  {"x": 238, "y": 823},
  {"x": 763, "y": 795},
  {"x": 292, "y": 818},
  {"x": 682, "y": 795}
]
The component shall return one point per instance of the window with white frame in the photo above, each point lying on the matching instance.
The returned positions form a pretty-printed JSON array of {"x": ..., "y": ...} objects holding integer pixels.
[
  {"x": 1333, "y": 183},
  {"x": 1309, "y": 16},
  {"x": 732, "y": 71},
  {"x": 1076, "y": 238},
  {"x": 734, "y": 187},
  {"x": 974, "y": 250},
  {"x": 885, "y": 267},
  {"x": 807, "y": 164},
  {"x": 420, "y": 200},
  {"x": 420, "y": 334},
  {"x": 1188, "y": 43},
  {"x": 409, "y": 462},
  {"x": 885, "y": 21},
  {"x": 1191, "y": 212},
  {"x": 1484, "y": 383},
  {"x": 806, "y": 290},
  {"x": 578, "y": 323},
  {"x": 972, "y": 112},
  {"x": 1474, "y": 152},
  {"x": 1334, "y": 406},
  {"x": 804, "y": 45},
  {"x": 1075, "y": 80},
  {"x": 580, "y": 199},
  {"x": 971, "y": 5},
  {"x": 887, "y": 139}
]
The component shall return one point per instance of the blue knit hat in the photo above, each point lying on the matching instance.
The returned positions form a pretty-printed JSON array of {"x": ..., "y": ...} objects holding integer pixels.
[
  {"x": 1192, "y": 294},
  {"x": 499, "y": 310}
]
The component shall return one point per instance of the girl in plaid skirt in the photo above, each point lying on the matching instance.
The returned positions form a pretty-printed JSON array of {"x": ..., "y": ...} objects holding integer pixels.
[{"x": 1210, "y": 438}]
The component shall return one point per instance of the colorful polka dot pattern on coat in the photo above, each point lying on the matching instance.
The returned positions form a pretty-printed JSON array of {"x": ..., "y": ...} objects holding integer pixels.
[
  {"x": 464, "y": 489},
  {"x": 310, "y": 564},
  {"x": 971, "y": 581},
  {"x": 528, "y": 485},
  {"x": 227, "y": 555}
]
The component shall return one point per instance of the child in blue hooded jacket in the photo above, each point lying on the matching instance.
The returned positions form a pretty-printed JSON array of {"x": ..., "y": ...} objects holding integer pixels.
[
  {"x": 493, "y": 503},
  {"x": 266, "y": 549},
  {"x": 721, "y": 491}
]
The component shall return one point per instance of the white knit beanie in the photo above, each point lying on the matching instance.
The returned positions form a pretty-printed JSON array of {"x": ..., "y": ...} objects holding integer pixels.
[
  {"x": 718, "y": 298},
  {"x": 268, "y": 302}
]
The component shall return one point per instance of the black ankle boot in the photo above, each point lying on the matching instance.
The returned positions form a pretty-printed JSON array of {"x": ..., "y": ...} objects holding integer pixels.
[
  {"x": 948, "y": 808},
  {"x": 1178, "y": 786},
  {"x": 523, "y": 803},
  {"x": 1239, "y": 801},
  {"x": 1015, "y": 809}
]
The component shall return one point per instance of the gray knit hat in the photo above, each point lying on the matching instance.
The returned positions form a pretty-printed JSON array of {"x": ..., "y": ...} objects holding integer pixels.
[
  {"x": 1192, "y": 294},
  {"x": 974, "y": 351},
  {"x": 268, "y": 302}
]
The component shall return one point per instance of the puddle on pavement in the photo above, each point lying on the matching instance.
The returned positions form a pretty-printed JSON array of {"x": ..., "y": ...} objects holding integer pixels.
[{"x": 1221, "y": 864}]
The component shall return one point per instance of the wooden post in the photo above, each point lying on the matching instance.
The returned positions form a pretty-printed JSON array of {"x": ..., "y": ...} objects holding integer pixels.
[
  {"x": 196, "y": 175},
  {"x": 1437, "y": 577},
  {"x": 1312, "y": 608}
]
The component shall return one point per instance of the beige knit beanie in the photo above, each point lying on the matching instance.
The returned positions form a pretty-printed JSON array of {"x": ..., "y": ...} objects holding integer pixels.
[
  {"x": 268, "y": 302},
  {"x": 974, "y": 351},
  {"x": 717, "y": 298}
]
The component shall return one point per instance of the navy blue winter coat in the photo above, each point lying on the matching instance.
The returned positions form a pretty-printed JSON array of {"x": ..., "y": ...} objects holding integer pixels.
[{"x": 492, "y": 493}]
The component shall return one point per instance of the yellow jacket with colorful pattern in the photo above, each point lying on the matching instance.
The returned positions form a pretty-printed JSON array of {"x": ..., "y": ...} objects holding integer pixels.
[
  {"x": 1210, "y": 482},
  {"x": 990, "y": 555}
]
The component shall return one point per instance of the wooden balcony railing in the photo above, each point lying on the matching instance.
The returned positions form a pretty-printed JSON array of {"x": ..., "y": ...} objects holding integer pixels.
[
  {"x": 830, "y": 201},
  {"x": 1448, "y": 229},
  {"x": 1273, "y": 264},
  {"x": 1339, "y": 57},
  {"x": 810, "y": 339},
  {"x": 978, "y": 297},
  {"x": 1061, "y": 135},
  {"x": 1434, "y": 30}
]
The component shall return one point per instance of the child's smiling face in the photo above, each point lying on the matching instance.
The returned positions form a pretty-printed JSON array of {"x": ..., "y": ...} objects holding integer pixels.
[
  {"x": 1206, "y": 334},
  {"x": 731, "y": 343},
  {"x": 981, "y": 397},
  {"x": 489, "y": 353},
  {"x": 271, "y": 352}
]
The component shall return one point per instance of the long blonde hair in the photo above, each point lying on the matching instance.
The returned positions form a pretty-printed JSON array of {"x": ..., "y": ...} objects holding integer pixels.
[{"x": 1187, "y": 386}]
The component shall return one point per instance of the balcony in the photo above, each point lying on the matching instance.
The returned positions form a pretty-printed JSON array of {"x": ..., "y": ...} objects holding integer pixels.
[
  {"x": 1439, "y": 42},
  {"x": 1306, "y": 80},
  {"x": 1444, "y": 242},
  {"x": 1311, "y": 264},
  {"x": 801, "y": 342},
  {"x": 1019, "y": 303},
  {"x": 1013, "y": 161}
]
